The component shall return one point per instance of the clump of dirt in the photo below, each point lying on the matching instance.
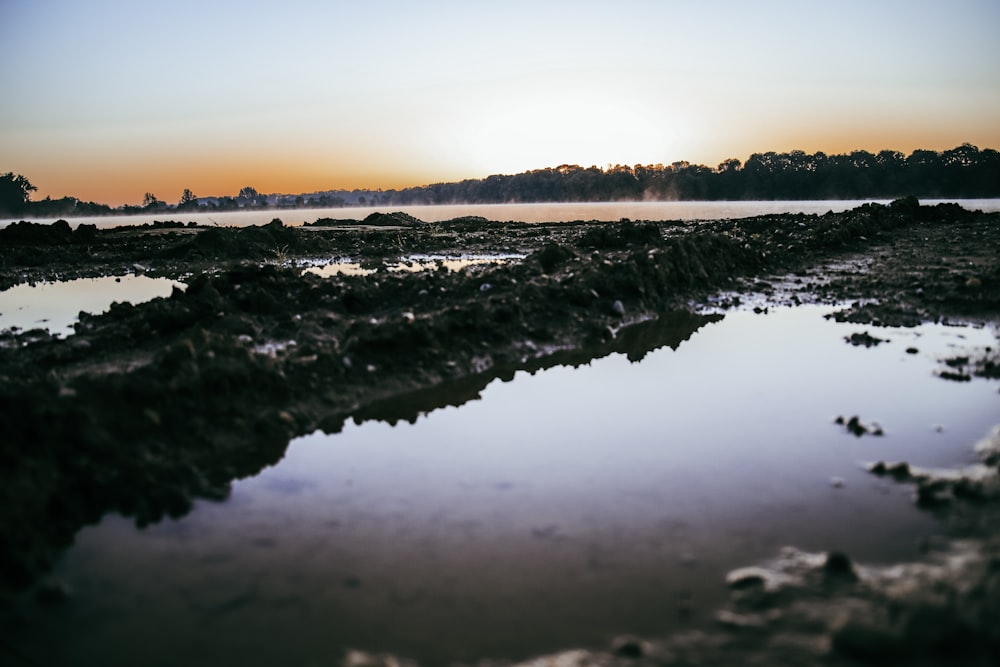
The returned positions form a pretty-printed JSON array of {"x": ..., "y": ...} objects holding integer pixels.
[
  {"x": 858, "y": 428},
  {"x": 985, "y": 364},
  {"x": 864, "y": 339}
]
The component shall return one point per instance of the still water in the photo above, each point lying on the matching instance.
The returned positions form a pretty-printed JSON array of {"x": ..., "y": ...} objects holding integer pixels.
[
  {"x": 55, "y": 306},
  {"x": 553, "y": 510},
  {"x": 682, "y": 210}
]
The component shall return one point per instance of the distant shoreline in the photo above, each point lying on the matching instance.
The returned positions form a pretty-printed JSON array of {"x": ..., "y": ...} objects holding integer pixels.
[
  {"x": 964, "y": 172},
  {"x": 540, "y": 212}
]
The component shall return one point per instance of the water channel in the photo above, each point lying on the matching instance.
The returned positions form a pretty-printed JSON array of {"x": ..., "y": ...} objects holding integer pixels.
[{"x": 553, "y": 510}]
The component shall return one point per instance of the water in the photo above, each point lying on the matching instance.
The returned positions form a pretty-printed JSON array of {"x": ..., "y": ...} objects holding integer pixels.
[
  {"x": 412, "y": 263},
  {"x": 55, "y": 306},
  {"x": 683, "y": 210},
  {"x": 555, "y": 510}
]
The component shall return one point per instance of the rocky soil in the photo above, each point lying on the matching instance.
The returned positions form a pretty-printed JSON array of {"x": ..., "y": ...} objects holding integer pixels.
[{"x": 147, "y": 407}]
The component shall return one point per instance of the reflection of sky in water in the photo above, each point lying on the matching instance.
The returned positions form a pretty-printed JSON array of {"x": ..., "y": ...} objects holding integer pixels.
[
  {"x": 56, "y": 306},
  {"x": 561, "y": 508},
  {"x": 413, "y": 264},
  {"x": 339, "y": 269}
]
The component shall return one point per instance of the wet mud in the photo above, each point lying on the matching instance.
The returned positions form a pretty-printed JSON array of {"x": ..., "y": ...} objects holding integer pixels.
[{"x": 149, "y": 407}]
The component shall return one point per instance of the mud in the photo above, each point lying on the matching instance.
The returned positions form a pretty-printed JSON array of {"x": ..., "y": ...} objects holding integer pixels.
[{"x": 148, "y": 407}]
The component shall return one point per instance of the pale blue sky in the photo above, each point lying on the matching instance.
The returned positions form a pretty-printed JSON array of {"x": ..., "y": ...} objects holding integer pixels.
[{"x": 108, "y": 100}]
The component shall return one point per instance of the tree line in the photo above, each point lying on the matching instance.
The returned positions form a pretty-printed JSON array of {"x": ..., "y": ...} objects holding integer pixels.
[{"x": 961, "y": 172}]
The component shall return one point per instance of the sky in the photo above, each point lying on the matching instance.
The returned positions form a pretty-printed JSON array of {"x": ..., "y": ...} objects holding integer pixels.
[{"x": 107, "y": 100}]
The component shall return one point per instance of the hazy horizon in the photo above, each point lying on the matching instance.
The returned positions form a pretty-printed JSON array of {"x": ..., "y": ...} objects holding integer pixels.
[{"x": 109, "y": 100}]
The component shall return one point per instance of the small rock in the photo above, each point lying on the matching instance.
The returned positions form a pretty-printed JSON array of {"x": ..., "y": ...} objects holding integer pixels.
[
  {"x": 619, "y": 308},
  {"x": 628, "y": 646},
  {"x": 912, "y": 350},
  {"x": 899, "y": 470},
  {"x": 748, "y": 577},
  {"x": 409, "y": 317},
  {"x": 855, "y": 426},
  {"x": 973, "y": 283},
  {"x": 863, "y": 338},
  {"x": 839, "y": 566},
  {"x": 485, "y": 287}
]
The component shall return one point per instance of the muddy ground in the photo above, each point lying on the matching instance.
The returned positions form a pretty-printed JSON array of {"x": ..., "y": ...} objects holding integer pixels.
[{"x": 149, "y": 407}]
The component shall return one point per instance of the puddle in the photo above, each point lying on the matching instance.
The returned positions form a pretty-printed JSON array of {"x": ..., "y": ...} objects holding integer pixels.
[
  {"x": 416, "y": 263},
  {"x": 328, "y": 270},
  {"x": 56, "y": 306},
  {"x": 561, "y": 508},
  {"x": 413, "y": 263}
]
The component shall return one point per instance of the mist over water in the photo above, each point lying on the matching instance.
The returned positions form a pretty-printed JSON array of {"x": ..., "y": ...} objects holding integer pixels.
[{"x": 543, "y": 212}]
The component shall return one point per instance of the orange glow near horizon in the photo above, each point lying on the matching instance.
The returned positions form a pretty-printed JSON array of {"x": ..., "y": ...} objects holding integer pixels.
[{"x": 281, "y": 175}]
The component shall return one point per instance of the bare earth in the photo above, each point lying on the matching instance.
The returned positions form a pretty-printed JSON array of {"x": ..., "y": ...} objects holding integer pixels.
[{"x": 148, "y": 407}]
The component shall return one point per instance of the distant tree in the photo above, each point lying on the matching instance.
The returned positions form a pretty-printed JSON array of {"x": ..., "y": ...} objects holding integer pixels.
[
  {"x": 248, "y": 195},
  {"x": 149, "y": 200},
  {"x": 15, "y": 192},
  {"x": 187, "y": 198}
]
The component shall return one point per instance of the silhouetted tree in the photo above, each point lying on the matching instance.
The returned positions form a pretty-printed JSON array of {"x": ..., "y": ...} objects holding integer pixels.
[
  {"x": 15, "y": 193},
  {"x": 248, "y": 196}
]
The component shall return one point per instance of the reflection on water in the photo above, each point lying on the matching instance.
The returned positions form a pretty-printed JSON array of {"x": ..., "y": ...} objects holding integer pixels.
[
  {"x": 564, "y": 506},
  {"x": 413, "y": 263},
  {"x": 55, "y": 306},
  {"x": 330, "y": 269}
]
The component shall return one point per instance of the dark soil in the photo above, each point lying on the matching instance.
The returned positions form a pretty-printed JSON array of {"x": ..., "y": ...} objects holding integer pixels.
[{"x": 148, "y": 407}]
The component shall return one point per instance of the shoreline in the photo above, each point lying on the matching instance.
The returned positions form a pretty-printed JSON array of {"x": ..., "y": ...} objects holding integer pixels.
[{"x": 532, "y": 212}]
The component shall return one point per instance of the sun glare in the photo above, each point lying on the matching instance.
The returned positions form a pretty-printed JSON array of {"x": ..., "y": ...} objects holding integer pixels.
[{"x": 545, "y": 127}]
